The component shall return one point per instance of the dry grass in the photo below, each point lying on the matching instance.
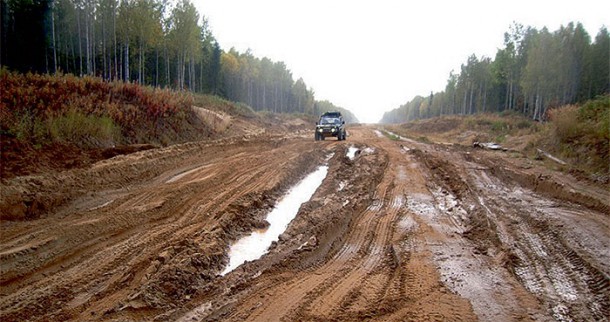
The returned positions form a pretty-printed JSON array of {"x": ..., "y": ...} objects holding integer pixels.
[
  {"x": 90, "y": 112},
  {"x": 582, "y": 134},
  {"x": 468, "y": 129},
  {"x": 578, "y": 135}
]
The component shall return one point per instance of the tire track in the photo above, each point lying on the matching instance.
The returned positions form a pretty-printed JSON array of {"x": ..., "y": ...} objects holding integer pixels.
[
  {"x": 533, "y": 230},
  {"x": 115, "y": 253},
  {"x": 366, "y": 277},
  {"x": 361, "y": 253}
]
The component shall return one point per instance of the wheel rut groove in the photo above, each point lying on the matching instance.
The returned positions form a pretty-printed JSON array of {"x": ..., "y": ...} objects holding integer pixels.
[{"x": 401, "y": 231}]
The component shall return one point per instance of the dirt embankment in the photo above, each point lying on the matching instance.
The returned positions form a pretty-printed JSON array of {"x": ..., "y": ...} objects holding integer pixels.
[{"x": 403, "y": 231}]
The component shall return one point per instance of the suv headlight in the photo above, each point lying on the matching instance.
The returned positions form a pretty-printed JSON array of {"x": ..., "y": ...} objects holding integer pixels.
[
  {"x": 320, "y": 130},
  {"x": 334, "y": 129}
]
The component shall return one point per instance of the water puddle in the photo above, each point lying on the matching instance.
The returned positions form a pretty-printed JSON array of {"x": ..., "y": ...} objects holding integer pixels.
[
  {"x": 401, "y": 138},
  {"x": 183, "y": 174},
  {"x": 351, "y": 152},
  {"x": 256, "y": 244},
  {"x": 102, "y": 205}
]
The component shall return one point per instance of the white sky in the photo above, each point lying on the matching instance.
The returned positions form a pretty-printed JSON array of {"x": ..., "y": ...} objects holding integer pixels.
[{"x": 372, "y": 56}]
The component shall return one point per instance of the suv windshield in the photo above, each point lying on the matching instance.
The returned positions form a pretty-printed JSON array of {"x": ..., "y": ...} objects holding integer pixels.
[{"x": 329, "y": 120}]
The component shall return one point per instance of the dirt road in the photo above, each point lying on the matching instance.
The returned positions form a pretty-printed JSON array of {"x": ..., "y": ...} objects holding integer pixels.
[{"x": 403, "y": 231}]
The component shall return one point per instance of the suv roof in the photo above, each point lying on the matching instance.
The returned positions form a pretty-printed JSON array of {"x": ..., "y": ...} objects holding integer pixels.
[{"x": 332, "y": 114}]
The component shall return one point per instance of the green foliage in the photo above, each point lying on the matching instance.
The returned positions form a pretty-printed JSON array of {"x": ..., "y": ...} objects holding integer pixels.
[
  {"x": 326, "y": 106},
  {"x": 583, "y": 132},
  {"x": 218, "y": 103},
  {"x": 499, "y": 126},
  {"x": 523, "y": 124},
  {"x": 500, "y": 139},
  {"x": 567, "y": 126},
  {"x": 423, "y": 139},
  {"x": 85, "y": 130},
  {"x": 24, "y": 126},
  {"x": 264, "y": 84},
  {"x": 391, "y": 136},
  {"x": 536, "y": 71},
  {"x": 596, "y": 114},
  {"x": 89, "y": 111},
  {"x": 152, "y": 42}
]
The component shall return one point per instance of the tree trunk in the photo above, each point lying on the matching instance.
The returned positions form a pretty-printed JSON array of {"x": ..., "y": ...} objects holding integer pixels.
[
  {"x": 264, "y": 96},
  {"x": 183, "y": 72},
  {"x": 464, "y": 102},
  {"x": 167, "y": 67},
  {"x": 93, "y": 49},
  {"x": 485, "y": 98},
  {"x": 53, "y": 33},
  {"x": 140, "y": 62},
  {"x": 536, "y": 106},
  {"x": 192, "y": 82},
  {"x": 509, "y": 94},
  {"x": 275, "y": 99},
  {"x": 80, "y": 45},
  {"x": 507, "y": 97},
  {"x": 178, "y": 75},
  {"x": 105, "y": 68},
  {"x": 121, "y": 74},
  {"x": 127, "y": 75},
  {"x": 250, "y": 92},
  {"x": 116, "y": 65},
  {"x": 87, "y": 43},
  {"x": 201, "y": 76}
]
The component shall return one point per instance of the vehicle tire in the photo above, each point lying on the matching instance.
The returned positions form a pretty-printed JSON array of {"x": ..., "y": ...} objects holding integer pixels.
[{"x": 316, "y": 136}]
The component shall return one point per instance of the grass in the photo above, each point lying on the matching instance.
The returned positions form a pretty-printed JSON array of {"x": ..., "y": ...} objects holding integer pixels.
[
  {"x": 391, "y": 136},
  {"x": 423, "y": 139},
  {"x": 582, "y": 134},
  {"x": 577, "y": 134},
  {"x": 220, "y": 104},
  {"x": 86, "y": 130},
  {"x": 90, "y": 112}
]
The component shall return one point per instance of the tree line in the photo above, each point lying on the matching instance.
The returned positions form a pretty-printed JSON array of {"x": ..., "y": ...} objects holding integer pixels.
[
  {"x": 535, "y": 71},
  {"x": 161, "y": 43}
]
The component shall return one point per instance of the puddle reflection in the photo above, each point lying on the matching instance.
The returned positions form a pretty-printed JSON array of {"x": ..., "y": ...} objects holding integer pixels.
[{"x": 256, "y": 244}]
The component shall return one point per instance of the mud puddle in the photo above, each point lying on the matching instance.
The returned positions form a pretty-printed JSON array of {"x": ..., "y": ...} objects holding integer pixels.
[
  {"x": 351, "y": 152},
  {"x": 183, "y": 174},
  {"x": 255, "y": 245}
]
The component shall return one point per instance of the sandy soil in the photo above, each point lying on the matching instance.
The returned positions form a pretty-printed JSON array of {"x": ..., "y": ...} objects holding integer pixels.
[{"x": 404, "y": 231}]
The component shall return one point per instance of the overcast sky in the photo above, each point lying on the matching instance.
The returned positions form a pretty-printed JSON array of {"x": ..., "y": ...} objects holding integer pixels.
[{"x": 373, "y": 56}]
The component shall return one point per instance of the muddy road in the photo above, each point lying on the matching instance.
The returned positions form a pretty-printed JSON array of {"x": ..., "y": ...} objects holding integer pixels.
[{"x": 403, "y": 231}]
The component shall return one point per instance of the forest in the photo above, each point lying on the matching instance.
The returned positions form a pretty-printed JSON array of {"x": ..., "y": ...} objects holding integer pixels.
[
  {"x": 161, "y": 43},
  {"x": 536, "y": 71}
]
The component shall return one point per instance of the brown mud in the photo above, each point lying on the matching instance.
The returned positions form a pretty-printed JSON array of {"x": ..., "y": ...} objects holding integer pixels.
[{"x": 404, "y": 231}]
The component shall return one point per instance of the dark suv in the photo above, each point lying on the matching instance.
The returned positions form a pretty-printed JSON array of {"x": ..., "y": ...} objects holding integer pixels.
[{"x": 330, "y": 124}]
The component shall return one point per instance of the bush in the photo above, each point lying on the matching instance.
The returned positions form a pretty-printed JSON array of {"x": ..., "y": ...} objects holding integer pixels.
[
  {"x": 219, "y": 104},
  {"x": 24, "y": 126},
  {"x": 596, "y": 113},
  {"x": 84, "y": 130},
  {"x": 583, "y": 133},
  {"x": 88, "y": 111},
  {"x": 499, "y": 126},
  {"x": 568, "y": 128}
]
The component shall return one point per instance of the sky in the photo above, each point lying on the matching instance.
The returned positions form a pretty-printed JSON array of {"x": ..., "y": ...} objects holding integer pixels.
[{"x": 373, "y": 56}]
